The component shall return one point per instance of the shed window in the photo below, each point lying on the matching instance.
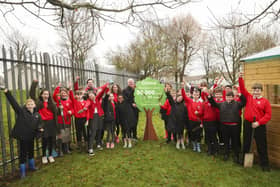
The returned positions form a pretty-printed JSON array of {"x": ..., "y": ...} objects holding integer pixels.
[{"x": 273, "y": 93}]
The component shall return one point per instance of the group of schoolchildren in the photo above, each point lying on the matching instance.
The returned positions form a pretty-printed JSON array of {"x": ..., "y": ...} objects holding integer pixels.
[
  {"x": 218, "y": 112},
  {"x": 107, "y": 108},
  {"x": 96, "y": 110}
]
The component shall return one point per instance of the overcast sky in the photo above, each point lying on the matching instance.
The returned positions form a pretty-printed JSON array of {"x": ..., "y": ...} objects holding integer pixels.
[{"x": 115, "y": 35}]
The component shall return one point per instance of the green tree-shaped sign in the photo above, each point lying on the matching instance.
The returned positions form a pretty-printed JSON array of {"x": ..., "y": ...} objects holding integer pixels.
[{"x": 149, "y": 94}]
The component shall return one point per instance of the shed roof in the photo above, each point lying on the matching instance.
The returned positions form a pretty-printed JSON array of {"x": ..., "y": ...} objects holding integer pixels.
[{"x": 266, "y": 54}]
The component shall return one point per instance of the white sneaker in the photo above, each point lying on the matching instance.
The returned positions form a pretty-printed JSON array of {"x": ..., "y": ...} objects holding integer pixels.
[
  {"x": 183, "y": 146},
  {"x": 90, "y": 152},
  {"x": 44, "y": 160},
  {"x": 99, "y": 147},
  {"x": 51, "y": 159},
  {"x": 177, "y": 145},
  {"x": 129, "y": 145}
]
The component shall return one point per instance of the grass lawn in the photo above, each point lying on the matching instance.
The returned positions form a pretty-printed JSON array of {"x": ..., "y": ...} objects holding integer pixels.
[{"x": 146, "y": 164}]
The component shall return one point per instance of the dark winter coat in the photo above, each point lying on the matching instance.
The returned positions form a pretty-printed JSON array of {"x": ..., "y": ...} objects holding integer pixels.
[
  {"x": 125, "y": 115},
  {"x": 128, "y": 95},
  {"x": 178, "y": 117},
  {"x": 27, "y": 123}
]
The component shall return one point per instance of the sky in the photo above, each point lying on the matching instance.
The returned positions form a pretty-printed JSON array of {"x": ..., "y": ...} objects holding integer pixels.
[{"x": 116, "y": 35}]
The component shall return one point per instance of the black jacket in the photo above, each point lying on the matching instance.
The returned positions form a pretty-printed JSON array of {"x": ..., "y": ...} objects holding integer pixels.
[
  {"x": 178, "y": 117},
  {"x": 108, "y": 109},
  {"x": 229, "y": 112},
  {"x": 27, "y": 123}
]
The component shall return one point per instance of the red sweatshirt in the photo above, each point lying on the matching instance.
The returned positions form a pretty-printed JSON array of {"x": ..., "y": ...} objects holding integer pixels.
[
  {"x": 217, "y": 110},
  {"x": 209, "y": 112},
  {"x": 67, "y": 106},
  {"x": 166, "y": 106},
  {"x": 91, "y": 105},
  {"x": 45, "y": 113},
  {"x": 193, "y": 106},
  {"x": 77, "y": 106},
  {"x": 255, "y": 107}
]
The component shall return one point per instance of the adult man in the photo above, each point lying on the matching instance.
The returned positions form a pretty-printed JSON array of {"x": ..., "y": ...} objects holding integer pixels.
[
  {"x": 128, "y": 94},
  {"x": 90, "y": 85}
]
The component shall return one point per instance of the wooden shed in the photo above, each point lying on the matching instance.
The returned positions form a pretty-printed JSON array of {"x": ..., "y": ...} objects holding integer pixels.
[{"x": 264, "y": 67}]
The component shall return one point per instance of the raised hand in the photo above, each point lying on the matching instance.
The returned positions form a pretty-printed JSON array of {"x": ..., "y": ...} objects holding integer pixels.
[
  {"x": 241, "y": 74},
  {"x": 183, "y": 84}
]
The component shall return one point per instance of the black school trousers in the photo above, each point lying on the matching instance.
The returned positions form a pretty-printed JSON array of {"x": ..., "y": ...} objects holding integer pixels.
[{"x": 261, "y": 142}]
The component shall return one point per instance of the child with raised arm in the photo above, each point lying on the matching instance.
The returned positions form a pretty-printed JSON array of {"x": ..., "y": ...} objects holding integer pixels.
[
  {"x": 178, "y": 117},
  {"x": 229, "y": 117},
  {"x": 210, "y": 125},
  {"x": 65, "y": 111},
  {"x": 80, "y": 113},
  {"x": 25, "y": 130},
  {"x": 48, "y": 112},
  {"x": 95, "y": 116},
  {"x": 259, "y": 108},
  {"x": 195, "y": 112}
]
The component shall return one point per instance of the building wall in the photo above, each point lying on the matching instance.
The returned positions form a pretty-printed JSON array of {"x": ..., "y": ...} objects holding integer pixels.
[{"x": 267, "y": 72}]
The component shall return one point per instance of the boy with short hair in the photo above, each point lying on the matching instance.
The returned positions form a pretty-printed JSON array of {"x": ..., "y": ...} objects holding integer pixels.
[
  {"x": 229, "y": 117},
  {"x": 259, "y": 108}
]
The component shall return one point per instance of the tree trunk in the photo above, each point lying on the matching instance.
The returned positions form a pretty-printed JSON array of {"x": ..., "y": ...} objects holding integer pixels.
[{"x": 150, "y": 133}]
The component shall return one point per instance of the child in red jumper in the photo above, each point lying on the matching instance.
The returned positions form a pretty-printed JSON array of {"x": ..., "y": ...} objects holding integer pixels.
[
  {"x": 210, "y": 125},
  {"x": 80, "y": 113},
  {"x": 48, "y": 112},
  {"x": 259, "y": 108},
  {"x": 65, "y": 106},
  {"x": 95, "y": 116},
  {"x": 195, "y": 112}
]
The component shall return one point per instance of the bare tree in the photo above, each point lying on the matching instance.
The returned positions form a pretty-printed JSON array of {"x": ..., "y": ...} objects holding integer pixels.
[
  {"x": 146, "y": 55},
  {"x": 79, "y": 35},
  {"x": 261, "y": 40},
  {"x": 185, "y": 41},
  {"x": 21, "y": 44},
  {"x": 100, "y": 9},
  {"x": 230, "y": 47}
]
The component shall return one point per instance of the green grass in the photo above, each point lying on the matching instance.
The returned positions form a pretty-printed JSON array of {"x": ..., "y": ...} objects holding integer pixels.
[{"x": 149, "y": 163}]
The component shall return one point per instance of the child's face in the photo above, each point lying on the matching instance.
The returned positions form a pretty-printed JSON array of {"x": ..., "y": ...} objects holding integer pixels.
[
  {"x": 188, "y": 94},
  {"x": 30, "y": 105},
  {"x": 120, "y": 99},
  {"x": 45, "y": 95},
  {"x": 115, "y": 89},
  {"x": 218, "y": 95},
  {"x": 63, "y": 94},
  {"x": 111, "y": 97},
  {"x": 229, "y": 99},
  {"x": 228, "y": 89},
  {"x": 257, "y": 92},
  {"x": 79, "y": 95},
  {"x": 196, "y": 95},
  {"x": 179, "y": 99}
]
